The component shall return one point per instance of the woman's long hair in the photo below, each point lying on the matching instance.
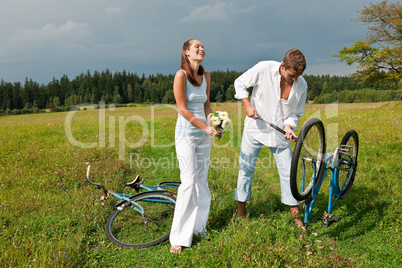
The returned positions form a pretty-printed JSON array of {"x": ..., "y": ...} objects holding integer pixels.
[{"x": 185, "y": 64}]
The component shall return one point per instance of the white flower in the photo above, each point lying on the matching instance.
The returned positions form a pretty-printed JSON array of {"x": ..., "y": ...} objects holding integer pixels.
[
  {"x": 215, "y": 121},
  {"x": 226, "y": 123},
  {"x": 214, "y": 117},
  {"x": 223, "y": 115}
]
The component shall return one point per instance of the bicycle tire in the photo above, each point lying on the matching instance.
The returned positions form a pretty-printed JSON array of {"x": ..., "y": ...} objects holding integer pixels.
[
  {"x": 348, "y": 164},
  {"x": 130, "y": 228},
  {"x": 171, "y": 186},
  {"x": 310, "y": 147}
]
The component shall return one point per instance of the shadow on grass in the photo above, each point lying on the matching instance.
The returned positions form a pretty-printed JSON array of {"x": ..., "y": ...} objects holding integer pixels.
[
  {"x": 265, "y": 205},
  {"x": 359, "y": 213}
]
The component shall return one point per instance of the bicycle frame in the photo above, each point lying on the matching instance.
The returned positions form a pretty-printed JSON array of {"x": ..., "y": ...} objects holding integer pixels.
[
  {"x": 150, "y": 210},
  {"x": 331, "y": 164},
  {"x": 126, "y": 197}
]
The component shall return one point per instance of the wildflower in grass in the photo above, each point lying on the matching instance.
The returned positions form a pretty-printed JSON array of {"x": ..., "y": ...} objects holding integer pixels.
[{"x": 65, "y": 255}]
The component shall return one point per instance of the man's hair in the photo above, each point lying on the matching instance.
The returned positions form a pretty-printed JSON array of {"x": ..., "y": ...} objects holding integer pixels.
[{"x": 294, "y": 60}]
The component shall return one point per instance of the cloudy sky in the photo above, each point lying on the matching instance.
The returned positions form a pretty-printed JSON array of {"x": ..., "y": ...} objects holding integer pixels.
[{"x": 46, "y": 39}]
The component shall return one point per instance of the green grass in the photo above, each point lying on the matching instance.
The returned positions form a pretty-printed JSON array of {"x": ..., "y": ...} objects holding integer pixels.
[{"x": 51, "y": 217}]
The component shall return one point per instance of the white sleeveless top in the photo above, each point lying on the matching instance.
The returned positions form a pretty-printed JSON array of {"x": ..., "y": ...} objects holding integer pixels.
[{"x": 195, "y": 100}]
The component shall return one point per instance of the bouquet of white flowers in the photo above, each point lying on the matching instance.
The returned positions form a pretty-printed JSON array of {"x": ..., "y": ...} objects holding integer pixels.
[{"x": 219, "y": 120}]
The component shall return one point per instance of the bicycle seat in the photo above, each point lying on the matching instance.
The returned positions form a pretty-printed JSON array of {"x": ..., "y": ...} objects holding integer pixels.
[{"x": 135, "y": 184}]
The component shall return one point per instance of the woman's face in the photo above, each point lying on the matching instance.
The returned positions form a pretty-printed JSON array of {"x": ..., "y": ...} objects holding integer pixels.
[{"x": 196, "y": 51}]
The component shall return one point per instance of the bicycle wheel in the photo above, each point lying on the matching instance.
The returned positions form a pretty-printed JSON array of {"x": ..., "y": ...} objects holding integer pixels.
[
  {"x": 308, "y": 160},
  {"x": 347, "y": 162},
  {"x": 171, "y": 186},
  {"x": 128, "y": 227}
]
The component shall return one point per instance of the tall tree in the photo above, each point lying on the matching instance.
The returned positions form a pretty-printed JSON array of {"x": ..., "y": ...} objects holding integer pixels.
[{"x": 380, "y": 55}]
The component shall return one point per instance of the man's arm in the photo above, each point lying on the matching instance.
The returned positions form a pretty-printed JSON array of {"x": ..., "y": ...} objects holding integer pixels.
[
  {"x": 292, "y": 120},
  {"x": 246, "y": 80},
  {"x": 250, "y": 110}
]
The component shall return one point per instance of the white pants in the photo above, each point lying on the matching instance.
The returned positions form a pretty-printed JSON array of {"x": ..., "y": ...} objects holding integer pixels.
[
  {"x": 249, "y": 151},
  {"x": 193, "y": 197}
]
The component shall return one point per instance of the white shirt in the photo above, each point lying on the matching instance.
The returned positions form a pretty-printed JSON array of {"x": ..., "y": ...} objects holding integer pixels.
[{"x": 265, "y": 79}]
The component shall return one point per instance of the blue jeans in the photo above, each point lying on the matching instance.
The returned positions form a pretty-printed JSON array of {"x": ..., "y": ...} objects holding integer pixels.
[{"x": 249, "y": 151}]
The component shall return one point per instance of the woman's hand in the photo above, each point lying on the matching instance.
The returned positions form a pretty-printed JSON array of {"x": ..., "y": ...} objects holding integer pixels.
[
  {"x": 212, "y": 131},
  {"x": 220, "y": 132}
]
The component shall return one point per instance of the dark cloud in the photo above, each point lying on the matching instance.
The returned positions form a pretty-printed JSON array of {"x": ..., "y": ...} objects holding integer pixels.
[{"x": 49, "y": 38}]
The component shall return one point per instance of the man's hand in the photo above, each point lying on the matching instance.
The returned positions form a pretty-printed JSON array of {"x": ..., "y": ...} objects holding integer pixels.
[
  {"x": 250, "y": 110},
  {"x": 290, "y": 135}
]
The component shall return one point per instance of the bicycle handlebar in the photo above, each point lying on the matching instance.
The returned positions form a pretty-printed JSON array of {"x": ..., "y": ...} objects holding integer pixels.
[{"x": 99, "y": 185}]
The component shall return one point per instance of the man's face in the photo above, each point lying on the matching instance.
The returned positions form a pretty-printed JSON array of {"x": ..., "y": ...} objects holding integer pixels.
[{"x": 289, "y": 75}]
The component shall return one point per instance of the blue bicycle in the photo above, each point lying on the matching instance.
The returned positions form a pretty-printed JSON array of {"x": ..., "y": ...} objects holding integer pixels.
[
  {"x": 143, "y": 219},
  {"x": 309, "y": 167}
]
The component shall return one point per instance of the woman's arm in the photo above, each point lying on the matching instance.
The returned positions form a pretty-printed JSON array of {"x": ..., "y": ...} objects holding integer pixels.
[
  {"x": 179, "y": 90},
  {"x": 207, "y": 105}
]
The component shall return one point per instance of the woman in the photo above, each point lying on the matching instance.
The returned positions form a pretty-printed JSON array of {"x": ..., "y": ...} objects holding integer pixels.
[{"x": 193, "y": 144}]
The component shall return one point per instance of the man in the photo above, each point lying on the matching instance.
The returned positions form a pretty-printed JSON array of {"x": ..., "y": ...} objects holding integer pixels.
[{"x": 278, "y": 96}]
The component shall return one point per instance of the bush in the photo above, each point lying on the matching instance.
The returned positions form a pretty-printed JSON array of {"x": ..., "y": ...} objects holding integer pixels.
[
  {"x": 327, "y": 98},
  {"x": 359, "y": 96}
]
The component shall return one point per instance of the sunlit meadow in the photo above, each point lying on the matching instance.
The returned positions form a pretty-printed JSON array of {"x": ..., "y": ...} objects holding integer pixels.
[{"x": 50, "y": 216}]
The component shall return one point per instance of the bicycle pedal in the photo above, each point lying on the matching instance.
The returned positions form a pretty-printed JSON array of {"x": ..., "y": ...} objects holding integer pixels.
[
  {"x": 328, "y": 219},
  {"x": 102, "y": 200}
]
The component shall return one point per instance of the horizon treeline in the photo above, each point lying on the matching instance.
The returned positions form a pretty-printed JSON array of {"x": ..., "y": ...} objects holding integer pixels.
[{"x": 122, "y": 88}]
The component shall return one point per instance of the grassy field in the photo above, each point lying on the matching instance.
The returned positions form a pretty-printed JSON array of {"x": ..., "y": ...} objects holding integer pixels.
[{"x": 51, "y": 217}]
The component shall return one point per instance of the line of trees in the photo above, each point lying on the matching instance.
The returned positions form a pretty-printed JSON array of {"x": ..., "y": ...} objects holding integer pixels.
[{"x": 123, "y": 87}]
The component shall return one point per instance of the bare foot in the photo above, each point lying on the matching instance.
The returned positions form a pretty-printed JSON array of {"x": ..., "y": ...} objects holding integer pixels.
[
  {"x": 294, "y": 211},
  {"x": 176, "y": 249}
]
